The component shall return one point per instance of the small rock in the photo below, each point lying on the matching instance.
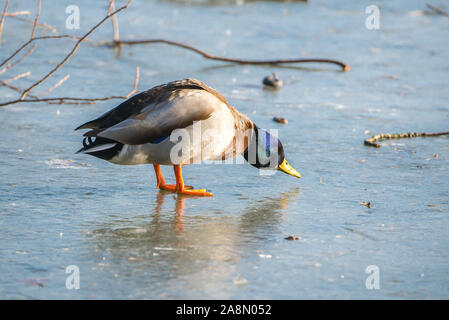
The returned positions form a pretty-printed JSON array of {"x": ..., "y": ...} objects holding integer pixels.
[
  {"x": 387, "y": 77},
  {"x": 366, "y": 204},
  {"x": 34, "y": 282},
  {"x": 280, "y": 120},
  {"x": 240, "y": 281},
  {"x": 272, "y": 81}
]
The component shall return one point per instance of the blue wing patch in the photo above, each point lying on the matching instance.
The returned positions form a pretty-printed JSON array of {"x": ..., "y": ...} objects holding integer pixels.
[{"x": 159, "y": 140}]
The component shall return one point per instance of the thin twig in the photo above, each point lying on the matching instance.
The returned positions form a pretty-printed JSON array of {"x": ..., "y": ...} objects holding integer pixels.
[
  {"x": 136, "y": 83},
  {"x": 115, "y": 29},
  {"x": 437, "y": 10},
  {"x": 16, "y": 13},
  {"x": 78, "y": 43},
  {"x": 111, "y": 6},
  {"x": 118, "y": 43},
  {"x": 23, "y": 46},
  {"x": 39, "y": 24},
  {"x": 55, "y": 86},
  {"x": 10, "y": 65},
  {"x": 19, "y": 76},
  {"x": 2, "y": 21},
  {"x": 206, "y": 55},
  {"x": 371, "y": 142},
  {"x": 37, "y": 18},
  {"x": 70, "y": 100},
  {"x": 17, "y": 89},
  {"x": 65, "y": 100},
  {"x": 28, "y": 42},
  {"x": 114, "y": 21}
]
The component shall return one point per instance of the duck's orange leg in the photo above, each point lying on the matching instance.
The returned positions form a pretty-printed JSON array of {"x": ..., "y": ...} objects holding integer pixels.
[
  {"x": 181, "y": 189},
  {"x": 161, "y": 181}
]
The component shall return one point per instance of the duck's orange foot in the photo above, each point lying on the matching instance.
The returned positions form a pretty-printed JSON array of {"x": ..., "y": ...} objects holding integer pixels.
[
  {"x": 172, "y": 187},
  {"x": 193, "y": 192}
]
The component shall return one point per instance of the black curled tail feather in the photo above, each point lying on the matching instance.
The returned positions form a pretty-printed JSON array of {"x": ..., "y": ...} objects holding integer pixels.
[
  {"x": 87, "y": 146},
  {"x": 112, "y": 147},
  {"x": 91, "y": 144}
]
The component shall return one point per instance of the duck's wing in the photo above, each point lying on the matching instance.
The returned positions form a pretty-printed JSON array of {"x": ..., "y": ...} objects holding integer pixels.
[
  {"x": 155, "y": 113},
  {"x": 135, "y": 104}
]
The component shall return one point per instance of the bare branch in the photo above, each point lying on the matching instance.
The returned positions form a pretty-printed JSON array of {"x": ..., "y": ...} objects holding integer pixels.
[
  {"x": 28, "y": 42},
  {"x": 19, "y": 76},
  {"x": 23, "y": 46},
  {"x": 136, "y": 83},
  {"x": 10, "y": 65},
  {"x": 114, "y": 21},
  {"x": 2, "y": 21},
  {"x": 43, "y": 25},
  {"x": 437, "y": 10},
  {"x": 117, "y": 43},
  {"x": 206, "y": 55},
  {"x": 371, "y": 142},
  {"x": 36, "y": 97},
  {"x": 37, "y": 18},
  {"x": 17, "y": 89},
  {"x": 69, "y": 100},
  {"x": 111, "y": 6},
  {"x": 16, "y": 13},
  {"x": 72, "y": 51},
  {"x": 55, "y": 86}
]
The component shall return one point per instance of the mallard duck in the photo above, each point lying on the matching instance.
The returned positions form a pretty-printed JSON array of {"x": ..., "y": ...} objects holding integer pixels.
[
  {"x": 147, "y": 129},
  {"x": 272, "y": 82}
]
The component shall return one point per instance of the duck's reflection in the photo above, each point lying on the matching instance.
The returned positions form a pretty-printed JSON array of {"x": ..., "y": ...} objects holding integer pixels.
[
  {"x": 179, "y": 209},
  {"x": 194, "y": 244},
  {"x": 264, "y": 213}
]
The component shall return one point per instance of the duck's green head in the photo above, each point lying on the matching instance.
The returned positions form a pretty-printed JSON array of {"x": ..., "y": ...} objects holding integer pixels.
[{"x": 265, "y": 151}]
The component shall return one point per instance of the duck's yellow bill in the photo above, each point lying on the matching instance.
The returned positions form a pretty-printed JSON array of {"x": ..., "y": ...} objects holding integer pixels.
[{"x": 285, "y": 167}]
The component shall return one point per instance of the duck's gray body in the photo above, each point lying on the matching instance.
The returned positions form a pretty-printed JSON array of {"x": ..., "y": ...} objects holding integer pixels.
[{"x": 143, "y": 129}]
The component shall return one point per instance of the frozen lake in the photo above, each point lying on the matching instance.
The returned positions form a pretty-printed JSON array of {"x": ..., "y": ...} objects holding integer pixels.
[{"x": 131, "y": 241}]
